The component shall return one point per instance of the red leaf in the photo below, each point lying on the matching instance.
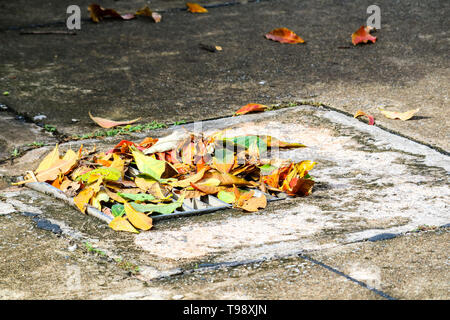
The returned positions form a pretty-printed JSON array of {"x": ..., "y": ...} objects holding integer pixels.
[
  {"x": 251, "y": 107},
  {"x": 363, "y": 35},
  {"x": 362, "y": 113},
  {"x": 284, "y": 35}
]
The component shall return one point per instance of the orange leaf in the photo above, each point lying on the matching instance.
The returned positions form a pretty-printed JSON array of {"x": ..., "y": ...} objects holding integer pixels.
[
  {"x": 363, "y": 35},
  {"x": 399, "y": 115},
  {"x": 284, "y": 35},
  {"x": 97, "y": 13},
  {"x": 105, "y": 123},
  {"x": 254, "y": 203},
  {"x": 82, "y": 199},
  {"x": 362, "y": 113},
  {"x": 251, "y": 107},
  {"x": 195, "y": 8}
]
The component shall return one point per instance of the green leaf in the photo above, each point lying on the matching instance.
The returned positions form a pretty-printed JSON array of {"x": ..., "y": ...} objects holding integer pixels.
[
  {"x": 246, "y": 141},
  {"x": 137, "y": 197},
  {"x": 148, "y": 165},
  {"x": 226, "y": 196},
  {"x": 106, "y": 172},
  {"x": 160, "y": 208},
  {"x": 118, "y": 210}
]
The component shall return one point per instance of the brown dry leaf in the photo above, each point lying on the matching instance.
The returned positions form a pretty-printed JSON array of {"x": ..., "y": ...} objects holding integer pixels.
[
  {"x": 106, "y": 123},
  {"x": 146, "y": 12},
  {"x": 195, "y": 8},
  {"x": 97, "y": 13},
  {"x": 254, "y": 203},
  {"x": 83, "y": 198},
  {"x": 284, "y": 35},
  {"x": 138, "y": 219},
  {"x": 399, "y": 115},
  {"x": 122, "y": 224}
]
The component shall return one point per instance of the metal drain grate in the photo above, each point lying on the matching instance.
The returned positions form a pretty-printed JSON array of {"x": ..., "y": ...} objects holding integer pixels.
[{"x": 190, "y": 207}]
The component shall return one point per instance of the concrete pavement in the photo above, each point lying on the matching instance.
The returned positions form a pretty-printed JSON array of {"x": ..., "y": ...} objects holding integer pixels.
[{"x": 371, "y": 184}]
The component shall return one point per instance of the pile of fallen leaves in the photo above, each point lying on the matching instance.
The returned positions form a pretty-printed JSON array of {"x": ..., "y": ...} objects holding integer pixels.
[{"x": 134, "y": 180}]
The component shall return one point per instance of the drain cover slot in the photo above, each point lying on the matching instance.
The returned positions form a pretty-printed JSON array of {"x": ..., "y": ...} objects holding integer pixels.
[{"x": 190, "y": 207}]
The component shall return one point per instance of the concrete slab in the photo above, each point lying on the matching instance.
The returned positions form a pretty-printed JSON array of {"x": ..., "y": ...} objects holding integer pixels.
[
  {"x": 369, "y": 183},
  {"x": 135, "y": 68},
  {"x": 411, "y": 267}
]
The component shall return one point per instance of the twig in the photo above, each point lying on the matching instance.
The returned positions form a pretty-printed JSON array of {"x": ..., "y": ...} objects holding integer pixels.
[{"x": 71, "y": 33}]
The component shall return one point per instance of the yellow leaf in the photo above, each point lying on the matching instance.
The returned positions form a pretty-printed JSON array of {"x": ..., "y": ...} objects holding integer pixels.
[
  {"x": 60, "y": 166},
  {"x": 82, "y": 199},
  {"x": 49, "y": 160},
  {"x": 399, "y": 115},
  {"x": 304, "y": 166},
  {"x": 138, "y": 219},
  {"x": 118, "y": 164},
  {"x": 122, "y": 224},
  {"x": 195, "y": 8}
]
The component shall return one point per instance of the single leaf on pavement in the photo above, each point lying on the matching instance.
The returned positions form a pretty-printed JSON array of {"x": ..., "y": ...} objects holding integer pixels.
[
  {"x": 251, "y": 107},
  {"x": 399, "y": 115},
  {"x": 362, "y": 113},
  {"x": 97, "y": 13},
  {"x": 138, "y": 219},
  {"x": 149, "y": 13},
  {"x": 121, "y": 224},
  {"x": 284, "y": 35},
  {"x": 195, "y": 8},
  {"x": 362, "y": 35},
  {"x": 106, "y": 123}
]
